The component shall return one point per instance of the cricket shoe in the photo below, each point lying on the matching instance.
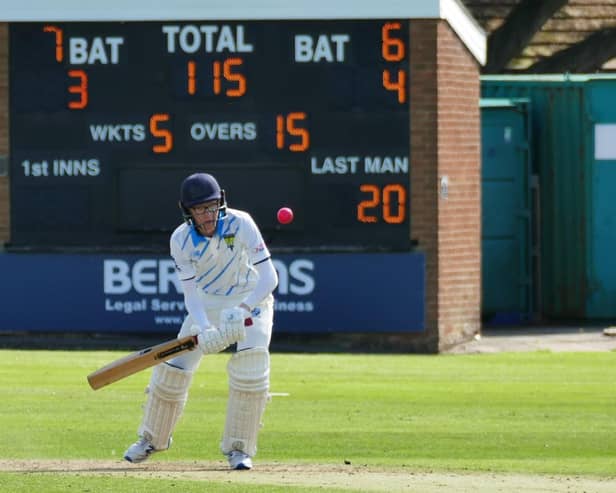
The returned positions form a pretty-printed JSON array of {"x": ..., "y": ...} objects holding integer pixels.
[
  {"x": 141, "y": 450},
  {"x": 239, "y": 460}
]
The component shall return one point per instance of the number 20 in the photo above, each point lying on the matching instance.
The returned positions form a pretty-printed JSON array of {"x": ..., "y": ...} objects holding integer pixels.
[{"x": 385, "y": 198}]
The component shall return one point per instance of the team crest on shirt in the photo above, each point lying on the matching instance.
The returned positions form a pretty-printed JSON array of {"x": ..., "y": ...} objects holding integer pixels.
[{"x": 229, "y": 240}]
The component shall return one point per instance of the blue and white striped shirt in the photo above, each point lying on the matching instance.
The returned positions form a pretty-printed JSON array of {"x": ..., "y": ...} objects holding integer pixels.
[{"x": 221, "y": 265}]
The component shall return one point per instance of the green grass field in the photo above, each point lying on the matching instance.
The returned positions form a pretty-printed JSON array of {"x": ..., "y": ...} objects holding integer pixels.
[{"x": 541, "y": 412}]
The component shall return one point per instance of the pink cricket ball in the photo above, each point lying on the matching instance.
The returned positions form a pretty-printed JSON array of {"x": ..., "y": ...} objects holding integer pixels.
[{"x": 285, "y": 215}]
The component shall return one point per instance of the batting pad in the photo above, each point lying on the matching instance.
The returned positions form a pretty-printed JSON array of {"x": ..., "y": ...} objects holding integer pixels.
[
  {"x": 248, "y": 391},
  {"x": 167, "y": 394}
]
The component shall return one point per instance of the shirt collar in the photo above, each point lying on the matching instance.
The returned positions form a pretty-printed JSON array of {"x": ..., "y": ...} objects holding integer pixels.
[{"x": 196, "y": 237}]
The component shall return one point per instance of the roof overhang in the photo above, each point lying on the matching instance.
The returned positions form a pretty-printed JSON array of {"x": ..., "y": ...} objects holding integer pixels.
[{"x": 465, "y": 26}]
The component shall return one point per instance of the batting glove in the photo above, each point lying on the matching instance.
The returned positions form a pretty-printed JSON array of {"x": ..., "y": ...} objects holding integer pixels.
[
  {"x": 210, "y": 340},
  {"x": 232, "y": 323}
]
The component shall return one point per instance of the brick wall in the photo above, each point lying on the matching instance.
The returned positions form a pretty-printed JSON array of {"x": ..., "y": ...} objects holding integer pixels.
[
  {"x": 423, "y": 158},
  {"x": 459, "y": 216},
  {"x": 4, "y": 133},
  {"x": 445, "y": 141}
]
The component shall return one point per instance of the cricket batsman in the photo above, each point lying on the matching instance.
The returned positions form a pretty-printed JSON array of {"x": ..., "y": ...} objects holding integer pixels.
[{"x": 227, "y": 277}]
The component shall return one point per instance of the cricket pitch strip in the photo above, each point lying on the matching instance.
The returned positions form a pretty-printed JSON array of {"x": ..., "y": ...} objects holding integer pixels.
[{"x": 351, "y": 477}]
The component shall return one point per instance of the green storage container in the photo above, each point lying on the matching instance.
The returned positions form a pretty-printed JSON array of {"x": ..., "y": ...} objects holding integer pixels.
[
  {"x": 506, "y": 256},
  {"x": 575, "y": 211},
  {"x": 601, "y": 270}
]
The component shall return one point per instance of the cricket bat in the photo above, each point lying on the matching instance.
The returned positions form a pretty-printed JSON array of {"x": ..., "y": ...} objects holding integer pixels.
[{"x": 140, "y": 360}]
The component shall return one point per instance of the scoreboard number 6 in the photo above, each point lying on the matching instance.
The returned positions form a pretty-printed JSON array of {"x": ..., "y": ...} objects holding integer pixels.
[{"x": 391, "y": 199}]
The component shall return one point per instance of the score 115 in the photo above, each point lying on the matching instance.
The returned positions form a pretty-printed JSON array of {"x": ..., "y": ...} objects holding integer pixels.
[{"x": 221, "y": 71}]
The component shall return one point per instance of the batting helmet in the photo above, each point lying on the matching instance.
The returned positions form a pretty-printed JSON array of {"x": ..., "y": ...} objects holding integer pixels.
[{"x": 197, "y": 189}]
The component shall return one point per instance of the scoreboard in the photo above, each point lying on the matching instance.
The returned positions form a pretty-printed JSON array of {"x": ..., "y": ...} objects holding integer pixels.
[{"x": 107, "y": 118}]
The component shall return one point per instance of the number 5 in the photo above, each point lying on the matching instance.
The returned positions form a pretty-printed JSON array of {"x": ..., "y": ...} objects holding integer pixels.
[{"x": 162, "y": 133}]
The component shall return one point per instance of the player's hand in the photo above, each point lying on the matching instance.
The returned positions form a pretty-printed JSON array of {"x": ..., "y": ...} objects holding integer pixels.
[
  {"x": 232, "y": 323},
  {"x": 209, "y": 339}
]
